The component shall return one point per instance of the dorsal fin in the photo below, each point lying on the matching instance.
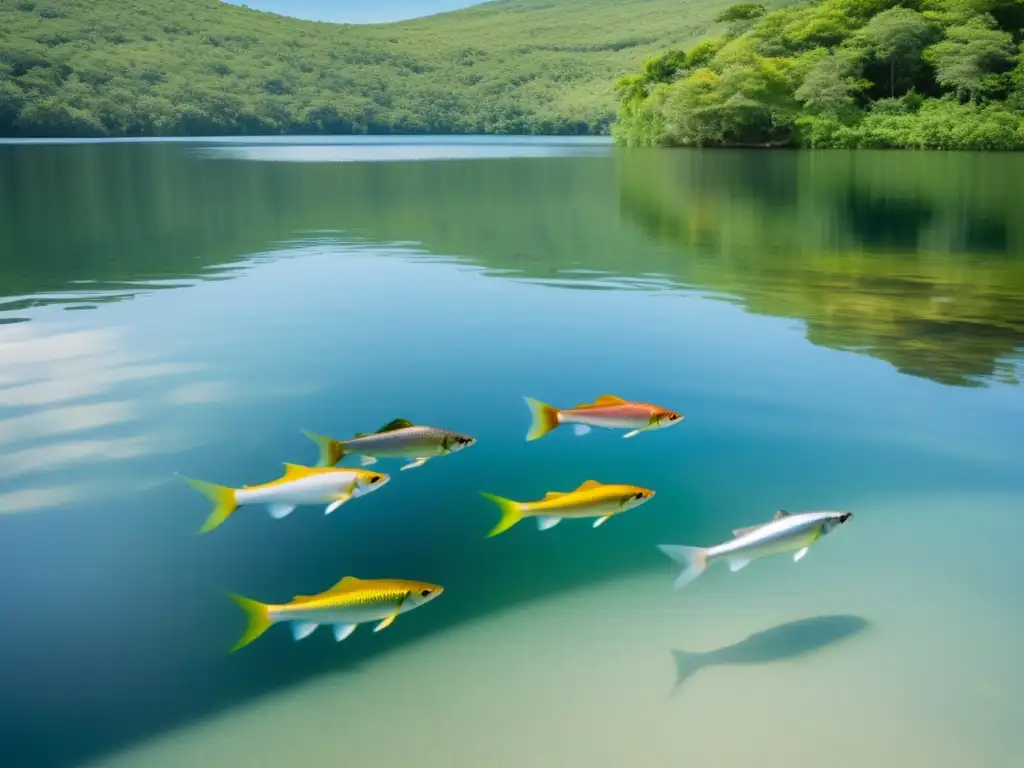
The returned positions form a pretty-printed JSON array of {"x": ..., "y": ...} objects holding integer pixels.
[
  {"x": 298, "y": 470},
  {"x": 553, "y": 495},
  {"x": 586, "y": 484},
  {"x": 347, "y": 582},
  {"x": 391, "y": 426},
  {"x": 601, "y": 400},
  {"x": 781, "y": 514},
  {"x": 362, "y": 434}
]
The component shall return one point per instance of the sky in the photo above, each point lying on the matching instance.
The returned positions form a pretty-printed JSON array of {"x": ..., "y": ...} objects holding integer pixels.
[{"x": 356, "y": 11}]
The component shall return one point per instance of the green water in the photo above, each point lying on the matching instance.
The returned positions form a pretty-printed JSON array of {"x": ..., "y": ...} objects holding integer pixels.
[{"x": 842, "y": 331}]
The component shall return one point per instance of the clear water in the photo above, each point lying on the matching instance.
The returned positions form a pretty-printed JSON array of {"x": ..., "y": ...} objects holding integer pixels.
[{"x": 841, "y": 330}]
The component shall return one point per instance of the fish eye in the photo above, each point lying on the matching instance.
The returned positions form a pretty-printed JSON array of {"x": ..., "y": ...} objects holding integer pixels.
[
  {"x": 425, "y": 593},
  {"x": 374, "y": 479},
  {"x": 638, "y": 495}
]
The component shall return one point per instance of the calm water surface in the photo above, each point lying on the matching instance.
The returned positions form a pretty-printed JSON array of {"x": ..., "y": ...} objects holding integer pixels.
[{"x": 841, "y": 330}]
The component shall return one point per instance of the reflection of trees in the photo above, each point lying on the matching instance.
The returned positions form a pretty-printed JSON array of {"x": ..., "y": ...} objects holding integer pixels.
[{"x": 917, "y": 261}]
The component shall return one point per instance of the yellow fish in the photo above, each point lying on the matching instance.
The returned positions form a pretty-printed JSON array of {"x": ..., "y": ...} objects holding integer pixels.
[
  {"x": 344, "y": 606},
  {"x": 591, "y": 499},
  {"x": 298, "y": 486}
]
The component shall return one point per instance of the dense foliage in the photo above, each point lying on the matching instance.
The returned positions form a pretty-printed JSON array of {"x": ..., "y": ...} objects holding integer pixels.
[
  {"x": 202, "y": 67},
  {"x": 927, "y": 74}
]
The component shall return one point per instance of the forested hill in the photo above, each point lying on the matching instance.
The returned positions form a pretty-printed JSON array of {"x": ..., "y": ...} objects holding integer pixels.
[
  {"x": 923, "y": 74},
  {"x": 203, "y": 67}
]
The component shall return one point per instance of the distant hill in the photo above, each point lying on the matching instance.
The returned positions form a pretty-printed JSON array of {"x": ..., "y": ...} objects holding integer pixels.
[{"x": 203, "y": 67}]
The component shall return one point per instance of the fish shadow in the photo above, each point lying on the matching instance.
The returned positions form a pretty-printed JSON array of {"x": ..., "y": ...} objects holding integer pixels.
[{"x": 785, "y": 641}]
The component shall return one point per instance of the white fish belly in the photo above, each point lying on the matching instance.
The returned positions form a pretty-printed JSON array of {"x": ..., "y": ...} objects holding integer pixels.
[
  {"x": 775, "y": 545},
  {"x": 315, "y": 489},
  {"x": 359, "y": 614},
  {"x": 607, "y": 422}
]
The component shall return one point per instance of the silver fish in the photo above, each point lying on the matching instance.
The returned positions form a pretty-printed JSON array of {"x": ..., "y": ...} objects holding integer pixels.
[
  {"x": 398, "y": 439},
  {"x": 786, "y": 532}
]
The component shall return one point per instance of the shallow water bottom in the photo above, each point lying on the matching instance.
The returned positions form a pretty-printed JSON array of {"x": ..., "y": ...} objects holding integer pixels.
[{"x": 890, "y": 644}]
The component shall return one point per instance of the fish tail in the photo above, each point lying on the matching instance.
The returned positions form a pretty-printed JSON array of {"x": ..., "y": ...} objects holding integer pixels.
[
  {"x": 545, "y": 418},
  {"x": 224, "y": 502},
  {"x": 258, "y": 615},
  {"x": 693, "y": 559},
  {"x": 686, "y": 665},
  {"x": 511, "y": 513},
  {"x": 331, "y": 450}
]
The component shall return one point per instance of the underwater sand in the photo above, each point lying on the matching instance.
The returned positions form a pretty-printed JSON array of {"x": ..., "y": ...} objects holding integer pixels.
[{"x": 588, "y": 677}]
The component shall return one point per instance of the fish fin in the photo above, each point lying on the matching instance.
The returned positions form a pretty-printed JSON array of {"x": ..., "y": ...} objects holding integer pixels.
[
  {"x": 337, "y": 503},
  {"x": 303, "y": 629},
  {"x": 394, "y": 615},
  {"x": 608, "y": 400},
  {"x": 693, "y": 559},
  {"x": 295, "y": 471},
  {"x": 601, "y": 520},
  {"x": 362, "y": 434},
  {"x": 511, "y": 512},
  {"x": 686, "y": 665},
  {"x": 224, "y": 501},
  {"x": 587, "y": 484},
  {"x": 258, "y": 615},
  {"x": 341, "y": 631},
  {"x": 365, "y": 461},
  {"x": 634, "y": 433},
  {"x": 738, "y": 564},
  {"x": 545, "y": 418},
  {"x": 277, "y": 511},
  {"x": 346, "y": 582},
  {"x": 394, "y": 424},
  {"x": 331, "y": 450},
  {"x": 543, "y": 523},
  {"x": 580, "y": 429},
  {"x": 553, "y": 495},
  {"x": 415, "y": 463},
  {"x": 798, "y": 556},
  {"x": 781, "y": 514},
  {"x": 737, "y": 532}
]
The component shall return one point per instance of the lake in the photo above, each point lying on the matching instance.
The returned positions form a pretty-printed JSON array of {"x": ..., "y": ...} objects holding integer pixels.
[{"x": 841, "y": 330}]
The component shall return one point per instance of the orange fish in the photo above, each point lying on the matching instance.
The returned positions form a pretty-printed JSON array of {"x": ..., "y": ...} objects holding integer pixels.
[{"x": 607, "y": 411}]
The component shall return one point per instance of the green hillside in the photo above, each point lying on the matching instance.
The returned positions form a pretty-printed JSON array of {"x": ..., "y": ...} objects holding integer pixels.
[
  {"x": 854, "y": 74},
  {"x": 203, "y": 67}
]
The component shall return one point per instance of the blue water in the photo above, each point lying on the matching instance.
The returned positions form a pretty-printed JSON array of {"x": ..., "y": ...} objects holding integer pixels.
[{"x": 188, "y": 307}]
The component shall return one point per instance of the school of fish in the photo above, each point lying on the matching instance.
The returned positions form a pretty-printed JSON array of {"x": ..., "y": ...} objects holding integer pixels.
[{"x": 353, "y": 601}]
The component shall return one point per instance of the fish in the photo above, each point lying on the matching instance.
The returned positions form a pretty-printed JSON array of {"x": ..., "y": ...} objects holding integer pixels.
[
  {"x": 607, "y": 411},
  {"x": 590, "y": 499},
  {"x": 785, "y": 641},
  {"x": 346, "y": 605},
  {"x": 785, "y": 532},
  {"x": 299, "y": 486},
  {"x": 398, "y": 439}
]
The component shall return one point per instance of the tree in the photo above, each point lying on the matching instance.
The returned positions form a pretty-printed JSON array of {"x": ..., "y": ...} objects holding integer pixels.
[
  {"x": 972, "y": 58},
  {"x": 900, "y": 36},
  {"x": 829, "y": 87}
]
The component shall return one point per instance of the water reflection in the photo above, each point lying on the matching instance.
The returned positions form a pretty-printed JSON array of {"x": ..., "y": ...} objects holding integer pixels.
[{"x": 917, "y": 260}]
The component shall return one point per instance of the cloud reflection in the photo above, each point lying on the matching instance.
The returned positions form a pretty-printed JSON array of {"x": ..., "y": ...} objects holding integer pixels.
[{"x": 67, "y": 404}]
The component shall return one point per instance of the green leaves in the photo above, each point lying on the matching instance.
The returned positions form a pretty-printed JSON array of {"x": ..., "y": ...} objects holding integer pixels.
[
  {"x": 849, "y": 73},
  {"x": 972, "y": 58}
]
